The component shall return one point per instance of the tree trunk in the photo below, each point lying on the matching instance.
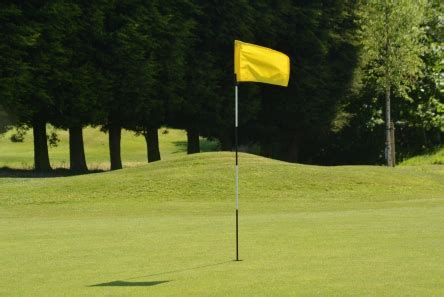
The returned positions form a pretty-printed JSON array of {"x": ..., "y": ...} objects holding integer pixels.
[
  {"x": 77, "y": 159},
  {"x": 41, "y": 156},
  {"x": 388, "y": 141},
  {"x": 392, "y": 138},
  {"x": 193, "y": 144},
  {"x": 292, "y": 153},
  {"x": 115, "y": 133},
  {"x": 152, "y": 143}
]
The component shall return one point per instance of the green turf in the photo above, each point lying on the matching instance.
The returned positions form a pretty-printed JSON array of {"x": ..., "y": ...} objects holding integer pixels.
[
  {"x": 167, "y": 229},
  {"x": 435, "y": 157},
  {"x": 172, "y": 144}
]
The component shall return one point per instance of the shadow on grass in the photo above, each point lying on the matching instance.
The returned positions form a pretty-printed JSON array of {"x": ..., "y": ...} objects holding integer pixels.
[
  {"x": 181, "y": 147},
  {"x": 129, "y": 284},
  {"x": 30, "y": 173},
  {"x": 206, "y": 145},
  {"x": 181, "y": 270}
]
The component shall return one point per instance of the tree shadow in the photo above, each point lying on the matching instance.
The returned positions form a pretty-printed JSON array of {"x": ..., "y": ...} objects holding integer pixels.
[
  {"x": 181, "y": 147},
  {"x": 30, "y": 173},
  {"x": 206, "y": 145},
  {"x": 129, "y": 284}
]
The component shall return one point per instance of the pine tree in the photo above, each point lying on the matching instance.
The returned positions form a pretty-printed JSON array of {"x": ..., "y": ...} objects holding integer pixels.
[
  {"x": 34, "y": 62},
  {"x": 317, "y": 37}
]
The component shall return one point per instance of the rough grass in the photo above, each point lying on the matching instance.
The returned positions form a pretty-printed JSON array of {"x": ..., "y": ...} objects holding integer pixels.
[
  {"x": 167, "y": 229},
  {"x": 172, "y": 144},
  {"x": 435, "y": 157}
]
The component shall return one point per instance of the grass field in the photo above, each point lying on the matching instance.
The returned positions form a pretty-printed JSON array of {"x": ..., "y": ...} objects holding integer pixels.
[
  {"x": 435, "y": 157},
  {"x": 167, "y": 229},
  {"x": 172, "y": 144}
]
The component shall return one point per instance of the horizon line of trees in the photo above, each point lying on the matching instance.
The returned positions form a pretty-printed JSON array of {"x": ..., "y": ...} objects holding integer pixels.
[{"x": 140, "y": 65}]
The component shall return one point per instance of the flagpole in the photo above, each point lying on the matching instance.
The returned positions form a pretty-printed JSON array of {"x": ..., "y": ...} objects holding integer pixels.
[
  {"x": 255, "y": 63},
  {"x": 237, "y": 169}
]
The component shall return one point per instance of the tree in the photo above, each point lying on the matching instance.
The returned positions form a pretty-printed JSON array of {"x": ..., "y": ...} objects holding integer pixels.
[
  {"x": 28, "y": 46},
  {"x": 193, "y": 113},
  {"x": 426, "y": 111},
  {"x": 162, "y": 95},
  {"x": 391, "y": 36},
  {"x": 317, "y": 35},
  {"x": 75, "y": 95},
  {"x": 128, "y": 70},
  {"x": 208, "y": 106}
]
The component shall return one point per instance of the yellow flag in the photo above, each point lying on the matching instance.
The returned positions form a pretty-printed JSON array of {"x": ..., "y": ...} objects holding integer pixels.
[{"x": 256, "y": 63}]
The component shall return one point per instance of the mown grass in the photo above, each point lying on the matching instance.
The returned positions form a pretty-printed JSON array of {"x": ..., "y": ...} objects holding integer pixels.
[
  {"x": 167, "y": 229},
  {"x": 172, "y": 144},
  {"x": 435, "y": 157}
]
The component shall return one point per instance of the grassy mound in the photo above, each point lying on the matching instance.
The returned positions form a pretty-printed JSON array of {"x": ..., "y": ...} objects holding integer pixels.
[
  {"x": 209, "y": 176},
  {"x": 167, "y": 229}
]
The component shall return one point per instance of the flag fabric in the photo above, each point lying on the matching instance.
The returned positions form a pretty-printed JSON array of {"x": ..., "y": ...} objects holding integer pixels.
[{"x": 254, "y": 63}]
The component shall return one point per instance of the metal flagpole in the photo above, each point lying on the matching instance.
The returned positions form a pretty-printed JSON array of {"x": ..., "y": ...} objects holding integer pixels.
[{"x": 237, "y": 169}]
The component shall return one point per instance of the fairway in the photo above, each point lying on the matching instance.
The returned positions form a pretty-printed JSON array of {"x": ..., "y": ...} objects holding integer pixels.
[
  {"x": 172, "y": 142},
  {"x": 221, "y": 148},
  {"x": 167, "y": 229}
]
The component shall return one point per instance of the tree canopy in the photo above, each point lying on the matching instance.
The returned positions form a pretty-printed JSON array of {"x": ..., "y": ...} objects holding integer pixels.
[{"x": 140, "y": 65}]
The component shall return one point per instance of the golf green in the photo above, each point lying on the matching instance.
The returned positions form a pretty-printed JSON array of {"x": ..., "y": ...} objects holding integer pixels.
[{"x": 167, "y": 229}]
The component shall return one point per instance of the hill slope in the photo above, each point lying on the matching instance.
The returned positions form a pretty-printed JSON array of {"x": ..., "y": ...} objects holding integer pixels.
[
  {"x": 209, "y": 176},
  {"x": 434, "y": 158}
]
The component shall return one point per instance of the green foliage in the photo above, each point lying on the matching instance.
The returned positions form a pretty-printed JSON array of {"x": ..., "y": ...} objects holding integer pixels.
[
  {"x": 16, "y": 38},
  {"x": 429, "y": 92},
  {"x": 5, "y": 121},
  {"x": 142, "y": 65},
  {"x": 75, "y": 97},
  {"x": 294, "y": 118},
  {"x": 209, "y": 88},
  {"x": 126, "y": 61},
  {"x": 419, "y": 119},
  {"x": 19, "y": 134},
  {"x": 392, "y": 42}
]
